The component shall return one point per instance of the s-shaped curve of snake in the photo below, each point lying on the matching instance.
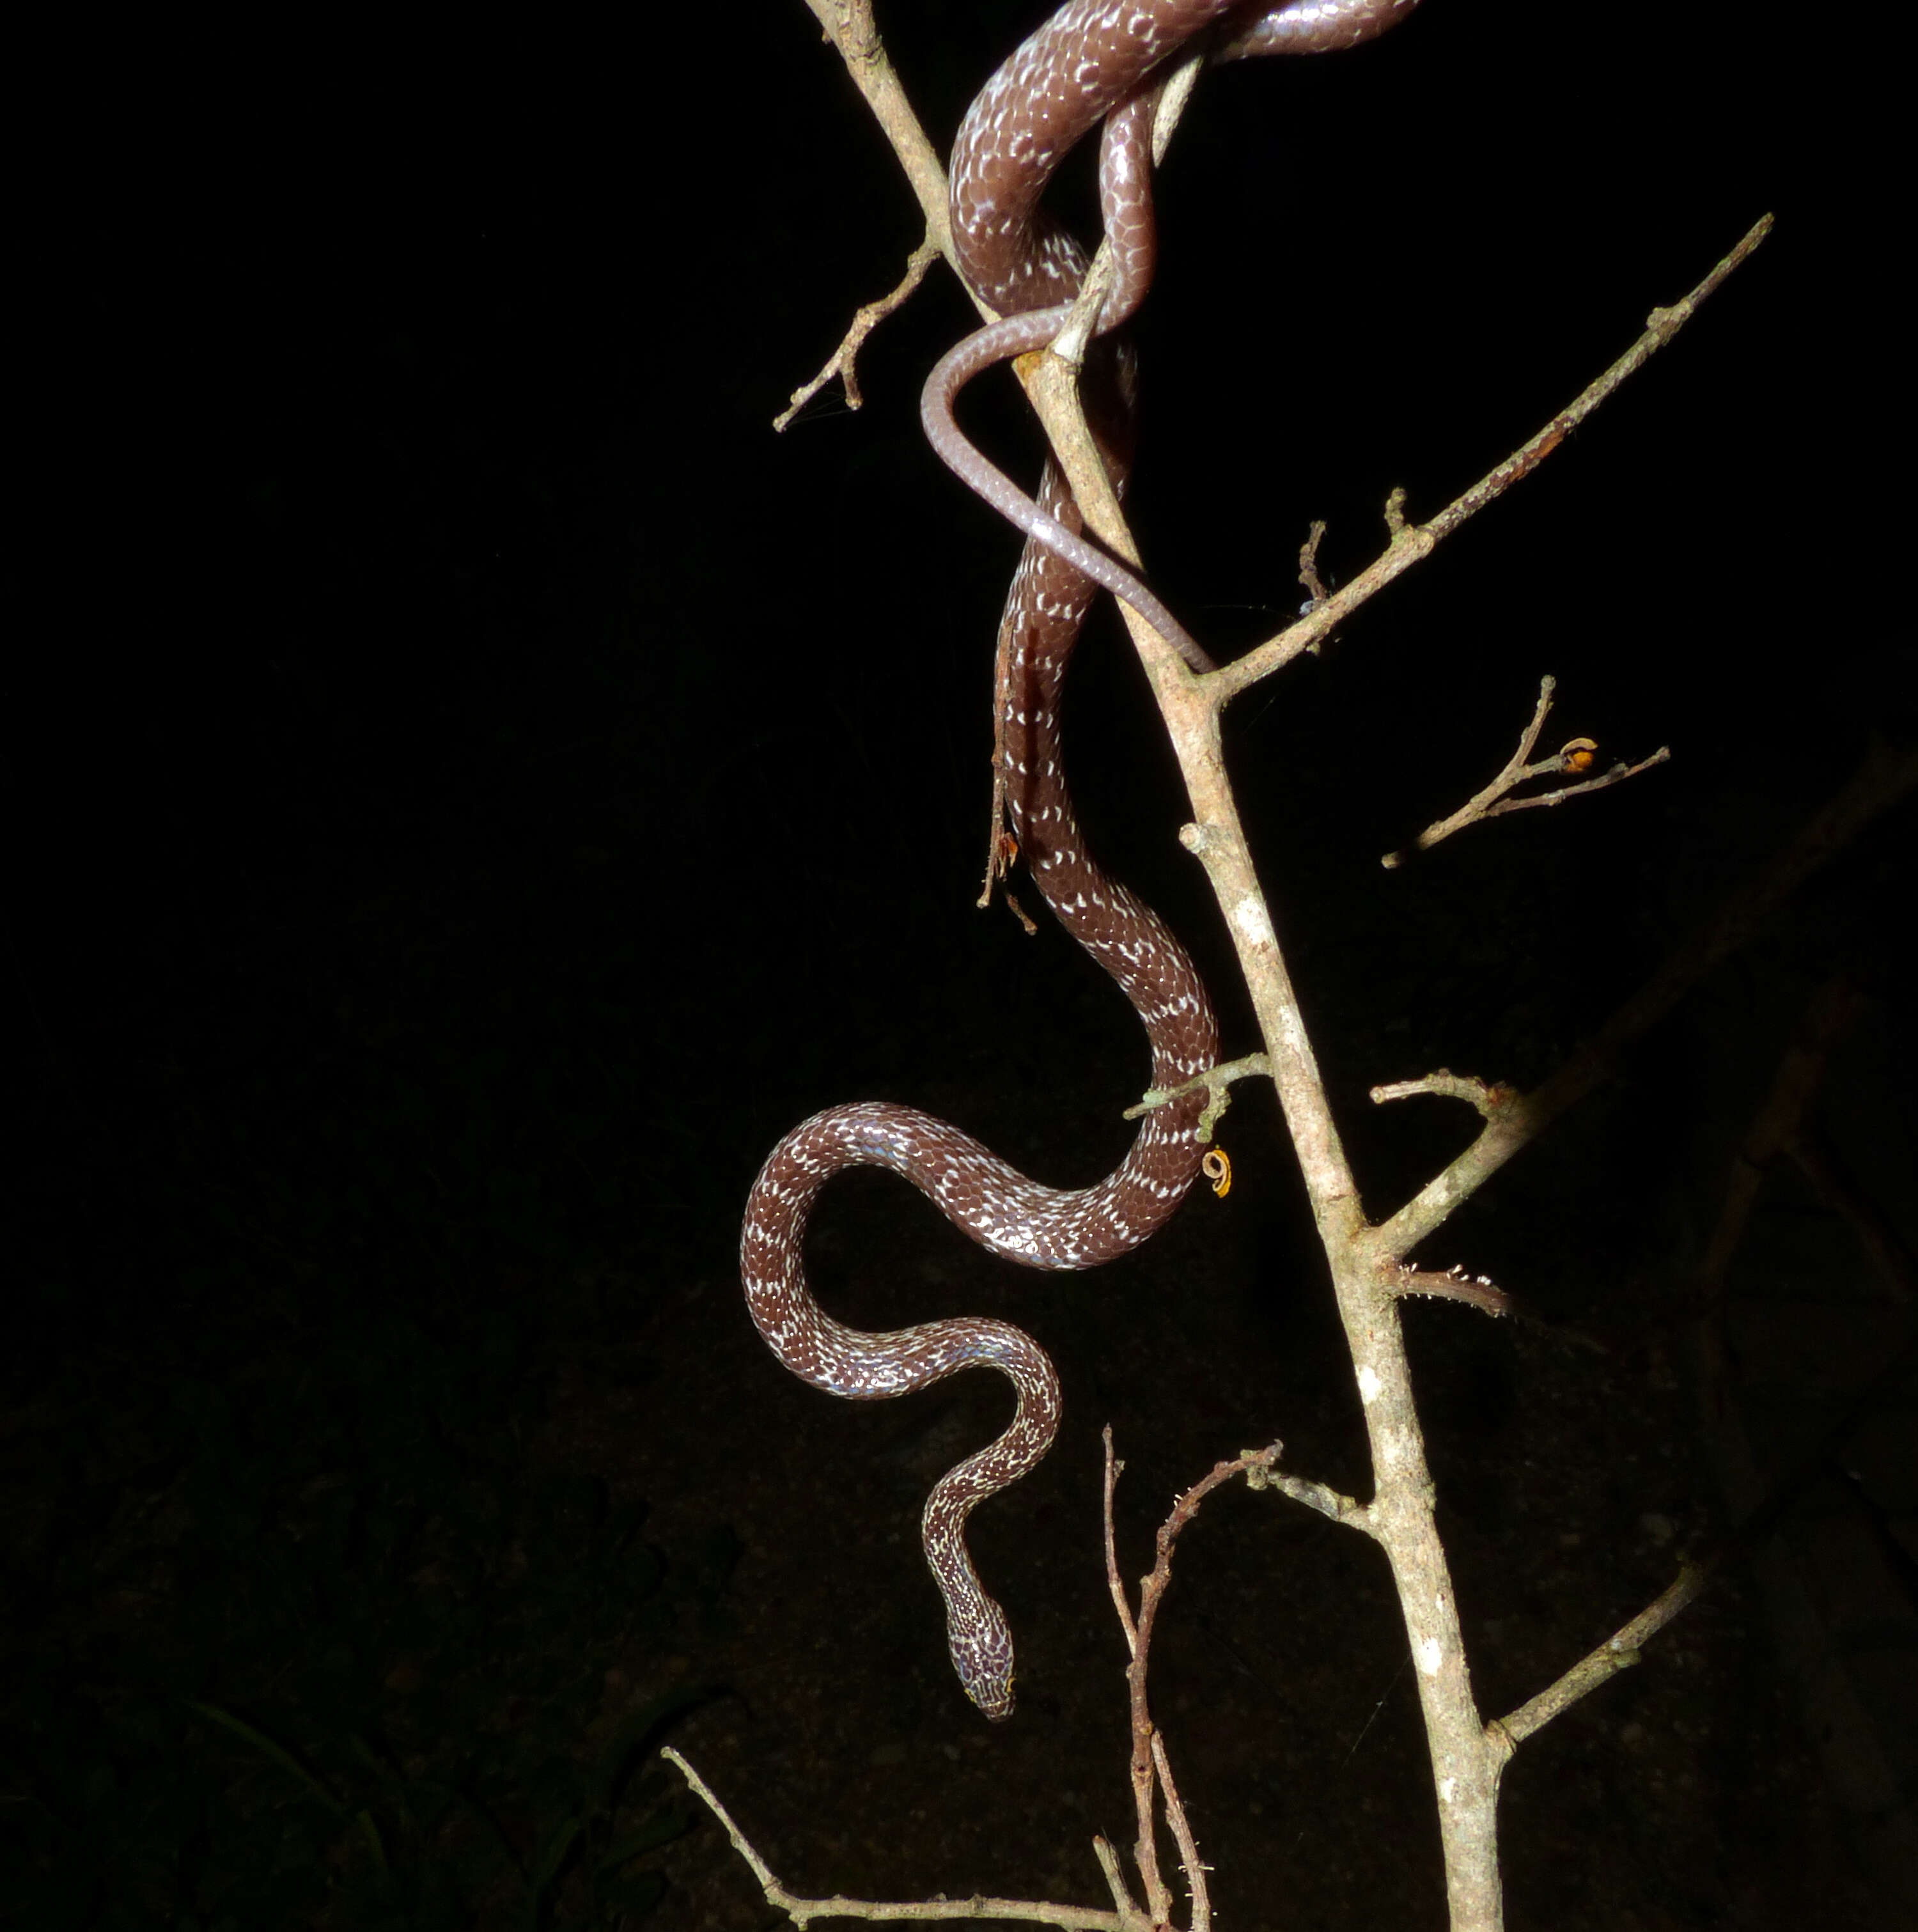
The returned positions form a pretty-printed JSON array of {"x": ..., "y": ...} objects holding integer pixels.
[{"x": 1093, "y": 61}]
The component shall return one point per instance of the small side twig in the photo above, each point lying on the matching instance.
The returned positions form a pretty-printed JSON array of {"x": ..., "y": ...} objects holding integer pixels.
[
  {"x": 850, "y": 28},
  {"x": 803, "y": 1911},
  {"x": 1453, "y": 1285},
  {"x": 1113, "y": 1469},
  {"x": 1488, "y": 1099},
  {"x": 1218, "y": 1079},
  {"x": 1320, "y": 1498},
  {"x": 1409, "y": 543},
  {"x": 843, "y": 361},
  {"x": 1130, "y": 1915},
  {"x": 1310, "y": 580},
  {"x": 1619, "y": 1652},
  {"x": 1578, "y": 756},
  {"x": 1188, "y": 1846}
]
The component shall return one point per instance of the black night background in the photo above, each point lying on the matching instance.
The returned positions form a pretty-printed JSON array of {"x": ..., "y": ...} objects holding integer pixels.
[{"x": 473, "y": 788}]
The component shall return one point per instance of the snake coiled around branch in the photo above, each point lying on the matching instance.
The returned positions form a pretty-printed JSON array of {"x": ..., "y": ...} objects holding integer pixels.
[{"x": 1094, "y": 61}]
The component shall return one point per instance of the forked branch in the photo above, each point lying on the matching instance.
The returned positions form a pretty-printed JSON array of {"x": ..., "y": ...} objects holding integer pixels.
[{"x": 1572, "y": 759}]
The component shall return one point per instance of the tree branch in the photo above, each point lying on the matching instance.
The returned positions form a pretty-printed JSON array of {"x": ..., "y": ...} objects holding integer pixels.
[
  {"x": 1616, "y": 1653},
  {"x": 1411, "y": 543},
  {"x": 803, "y": 1911}
]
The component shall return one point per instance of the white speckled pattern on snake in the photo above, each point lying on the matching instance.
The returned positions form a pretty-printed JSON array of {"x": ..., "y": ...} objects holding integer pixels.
[{"x": 1094, "y": 59}]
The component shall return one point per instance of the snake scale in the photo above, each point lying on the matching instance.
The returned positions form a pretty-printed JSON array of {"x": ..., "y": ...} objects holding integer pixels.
[{"x": 1094, "y": 61}]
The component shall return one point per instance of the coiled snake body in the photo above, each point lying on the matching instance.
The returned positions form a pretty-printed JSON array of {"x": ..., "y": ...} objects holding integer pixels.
[{"x": 1093, "y": 61}]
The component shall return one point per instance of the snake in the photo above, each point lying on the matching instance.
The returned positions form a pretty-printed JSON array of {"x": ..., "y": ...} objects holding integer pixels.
[{"x": 1094, "y": 62}]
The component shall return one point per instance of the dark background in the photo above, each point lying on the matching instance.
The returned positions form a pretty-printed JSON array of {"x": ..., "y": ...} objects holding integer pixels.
[{"x": 474, "y": 788}]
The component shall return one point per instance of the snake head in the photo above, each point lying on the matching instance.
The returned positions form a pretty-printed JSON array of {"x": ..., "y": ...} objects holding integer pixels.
[{"x": 982, "y": 1656}]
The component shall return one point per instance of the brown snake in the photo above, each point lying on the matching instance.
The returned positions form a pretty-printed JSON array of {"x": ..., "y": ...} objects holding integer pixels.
[{"x": 1095, "y": 60}]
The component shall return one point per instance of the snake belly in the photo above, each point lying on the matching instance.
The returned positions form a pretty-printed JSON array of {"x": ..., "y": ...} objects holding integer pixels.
[{"x": 1092, "y": 57}]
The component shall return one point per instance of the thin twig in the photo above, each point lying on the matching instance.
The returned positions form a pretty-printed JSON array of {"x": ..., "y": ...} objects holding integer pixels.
[
  {"x": 1181, "y": 1831},
  {"x": 1494, "y": 799},
  {"x": 1320, "y": 1498},
  {"x": 1516, "y": 768},
  {"x": 1113, "y": 1469},
  {"x": 1411, "y": 543},
  {"x": 1219, "y": 1078},
  {"x": 850, "y": 27},
  {"x": 843, "y": 361},
  {"x": 1478, "y": 1291},
  {"x": 1488, "y": 1099},
  {"x": 1130, "y": 1916},
  {"x": 1619, "y": 1652},
  {"x": 803, "y": 1911},
  {"x": 1475, "y": 1290},
  {"x": 1614, "y": 775}
]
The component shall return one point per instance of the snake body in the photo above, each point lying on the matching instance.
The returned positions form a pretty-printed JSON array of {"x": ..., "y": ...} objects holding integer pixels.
[{"x": 1093, "y": 61}]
